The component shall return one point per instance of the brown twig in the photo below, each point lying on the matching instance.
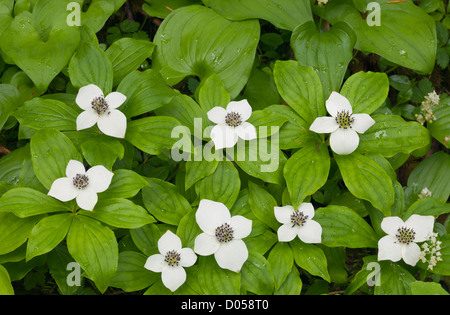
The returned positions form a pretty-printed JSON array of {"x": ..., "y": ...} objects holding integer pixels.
[{"x": 4, "y": 151}]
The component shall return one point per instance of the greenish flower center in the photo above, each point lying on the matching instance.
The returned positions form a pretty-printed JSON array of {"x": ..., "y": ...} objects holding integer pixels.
[
  {"x": 344, "y": 119},
  {"x": 405, "y": 235},
  {"x": 99, "y": 105},
  {"x": 298, "y": 218},
  {"x": 233, "y": 119},
  {"x": 80, "y": 181},
  {"x": 172, "y": 258},
  {"x": 224, "y": 233}
]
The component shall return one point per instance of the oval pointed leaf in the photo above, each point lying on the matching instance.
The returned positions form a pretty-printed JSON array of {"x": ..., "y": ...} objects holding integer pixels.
[
  {"x": 391, "y": 135},
  {"x": 195, "y": 40},
  {"x": 301, "y": 88},
  {"x": 95, "y": 248},
  {"x": 306, "y": 171},
  {"x": 344, "y": 227},
  {"x": 365, "y": 179},
  {"x": 281, "y": 13},
  {"x": 328, "y": 53}
]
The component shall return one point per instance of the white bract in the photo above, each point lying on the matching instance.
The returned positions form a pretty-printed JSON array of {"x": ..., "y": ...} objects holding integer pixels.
[
  {"x": 222, "y": 235},
  {"x": 344, "y": 126},
  {"x": 400, "y": 243},
  {"x": 81, "y": 184},
  {"x": 171, "y": 260},
  {"x": 231, "y": 124},
  {"x": 101, "y": 110},
  {"x": 298, "y": 223}
]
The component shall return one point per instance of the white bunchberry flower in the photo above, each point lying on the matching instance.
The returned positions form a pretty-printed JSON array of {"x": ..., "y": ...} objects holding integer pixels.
[
  {"x": 171, "y": 261},
  {"x": 231, "y": 124},
  {"x": 400, "y": 243},
  {"x": 298, "y": 223},
  {"x": 344, "y": 126},
  {"x": 81, "y": 184},
  {"x": 222, "y": 235},
  {"x": 101, "y": 110}
]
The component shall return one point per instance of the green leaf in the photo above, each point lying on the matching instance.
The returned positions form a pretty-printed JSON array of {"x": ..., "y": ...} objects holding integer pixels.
[
  {"x": 51, "y": 151},
  {"x": 282, "y": 260},
  {"x": 292, "y": 285},
  {"x": 301, "y": 88},
  {"x": 152, "y": 134},
  {"x": 328, "y": 53},
  {"x": 94, "y": 247},
  {"x": 440, "y": 128},
  {"x": 256, "y": 274},
  {"x": 311, "y": 258},
  {"x": 102, "y": 150},
  {"x": 262, "y": 159},
  {"x": 90, "y": 64},
  {"x": 215, "y": 280},
  {"x": 39, "y": 113},
  {"x": 47, "y": 234},
  {"x": 131, "y": 274},
  {"x": 342, "y": 226},
  {"x": 212, "y": 93},
  {"x": 262, "y": 204},
  {"x": 121, "y": 213},
  {"x": 160, "y": 9},
  {"x": 306, "y": 171},
  {"x": 58, "y": 261},
  {"x": 195, "y": 40},
  {"x": 98, "y": 13},
  {"x": 427, "y": 288},
  {"x": 163, "y": 201},
  {"x": 6, "y": 287},
  {"x": 397, "y": 38},
  {"x": 427, "y": 206},
  {"x": 367, "y": 180},
  {"x": 282, "y": 14},
  {"x": 197, "y": 170},
  {"x": 124, "y": 184},
  {"x": 9, "y": 101},
  {"x": 294, "y": 133},
  {"x": 188, "y": 229},
  {"x": 26, "y": 202},
  {"x": 391, "y": 135},
  {"x": 366, "y": 91},
  {"x": 432, "y": 173},
  {"x": 222, "y": 186},
  {"x": 14, "y": 231},
  {"x": 41, "y": 43},
  {"x": 127, "y": 54},
  {"x": 394, "y": 279},
  {"x": 146, "y": 238},
  {"x": 145, "y": 91}
]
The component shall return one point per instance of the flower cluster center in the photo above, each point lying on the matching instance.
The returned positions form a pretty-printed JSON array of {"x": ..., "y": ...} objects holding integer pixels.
[
  {"x": 172, "y": 258},
  {"x": 233, "y": 119},
  {"x": 344, "y": 119},
  {"x": 224, "y": 233},
  {"x": 80, "y": 181},
  {"x": 99, "y": 105},
  {"x": 298, "y": 218},
  {"x": 405, "y": 235}
]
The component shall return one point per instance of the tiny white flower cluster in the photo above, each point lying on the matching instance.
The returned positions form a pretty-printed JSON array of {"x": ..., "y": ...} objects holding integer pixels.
[
  {"x": 322, "y": 2},
  {"x": 424, "y": 193},
  {"x": 431, "y": 248},
  {"x": 426, "y": 108}
]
